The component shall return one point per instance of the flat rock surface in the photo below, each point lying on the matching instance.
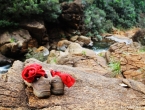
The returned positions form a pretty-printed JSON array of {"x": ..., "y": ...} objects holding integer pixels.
[
  {"x": 12, "y": 89},
  {"x": 90, "y": 92}
]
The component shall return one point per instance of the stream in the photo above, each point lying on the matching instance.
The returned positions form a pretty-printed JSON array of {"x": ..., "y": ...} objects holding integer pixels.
[
  {"x": 103, "y": 46},
  {"x": 98, "y": 47},
  {"x": 4, "y": 69}
]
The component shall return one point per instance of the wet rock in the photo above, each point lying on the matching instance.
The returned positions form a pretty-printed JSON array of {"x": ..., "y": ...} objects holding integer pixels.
[{"x": 5, "y": 61}]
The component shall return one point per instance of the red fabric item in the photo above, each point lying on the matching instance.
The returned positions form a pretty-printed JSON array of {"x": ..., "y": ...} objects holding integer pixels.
[
  {"x": 67, "y": 79},
  {"x": 33, "y": 71}
]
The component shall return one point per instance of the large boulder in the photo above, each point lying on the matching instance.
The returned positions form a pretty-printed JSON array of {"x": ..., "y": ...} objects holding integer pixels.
[
  {"x": 16, "y": 43},
  {"x": 72, "y": 14},
  {"x": 12, "y": 88},
  {"x": 90, "y": 91},
  {"x": 131, "y": 58},
  {"x": 139, "y": 36},
  {"x": 37, "y": 30},
  {"x": 80, "y": 58},
  {"x": 71, "y": 18},
  {"x": 5, "y": 61}
]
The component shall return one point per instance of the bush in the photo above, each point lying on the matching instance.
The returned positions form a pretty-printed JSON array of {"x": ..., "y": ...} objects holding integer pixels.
[
  {"x": 115, "y": 67},
  {"x": 4, "y": 23},
  {"x": 141, "y": 20},
  {"x": 48, "y": 10},
  {"x": 124, "y": 13},
  {"x": 95, "y": 21},
  {"x": 37, "y": 55}
]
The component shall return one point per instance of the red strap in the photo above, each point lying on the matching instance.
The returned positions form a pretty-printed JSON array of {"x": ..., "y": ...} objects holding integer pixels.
[{"x": 67, "y": 79}]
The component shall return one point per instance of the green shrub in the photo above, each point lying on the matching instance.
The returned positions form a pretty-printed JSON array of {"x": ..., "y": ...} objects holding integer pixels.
[
  {"x": 122, "y": 13},
  {"x": 95, "y": 21},
  {"x": 141, "y": 20},
  {"x": 37, "y": 55},
  {"x": 5, "y": 23},
  {"x": 142, "y": 49},
  {"x": 13, "y": 11},
  {"x": 84, "y": 53},
  {"x": 115, "y": 67},
  {"x": 53, "y": 60},
  {"x": 13, "y": 40}
]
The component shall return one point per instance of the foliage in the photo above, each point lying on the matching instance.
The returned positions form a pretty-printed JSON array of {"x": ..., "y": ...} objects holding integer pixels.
[
  {"x": 142, "y": 49},
  {"x": 53, "y": 60},
  {"x": 4, "y": 23},
  {"x": 115, "y": 67},
  {"x": 139, "y": 5},
  {"x": 126, "y": 12},
  {"x": 95, "y": 21},
  {"x": 13, "y": 40},
  {"x": 12, "y": 11},
  {"x": 120, "y": 13},
  {"x": 101, "y": 54},
  {"x": 37, "y": 55},
  {"x": 141, "y": 20},
  {"x": 99, "y": 15},
  {"x": 84, "y": 53}
]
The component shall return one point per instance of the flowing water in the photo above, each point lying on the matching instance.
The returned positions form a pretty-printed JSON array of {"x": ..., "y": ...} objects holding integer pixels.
[
  {"x": 4, "y": 69},
  {"x": 104, "y": 45},
  {"x": 99, "y": 47}
]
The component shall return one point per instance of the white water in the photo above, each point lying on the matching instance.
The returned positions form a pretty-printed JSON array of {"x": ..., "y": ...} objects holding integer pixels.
[
  {"x": 4, "y": 69},
  {"x": 103, "y": 47},
  {"x": 97, "y": 51},
  {"x": 120, "y": 39}
]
